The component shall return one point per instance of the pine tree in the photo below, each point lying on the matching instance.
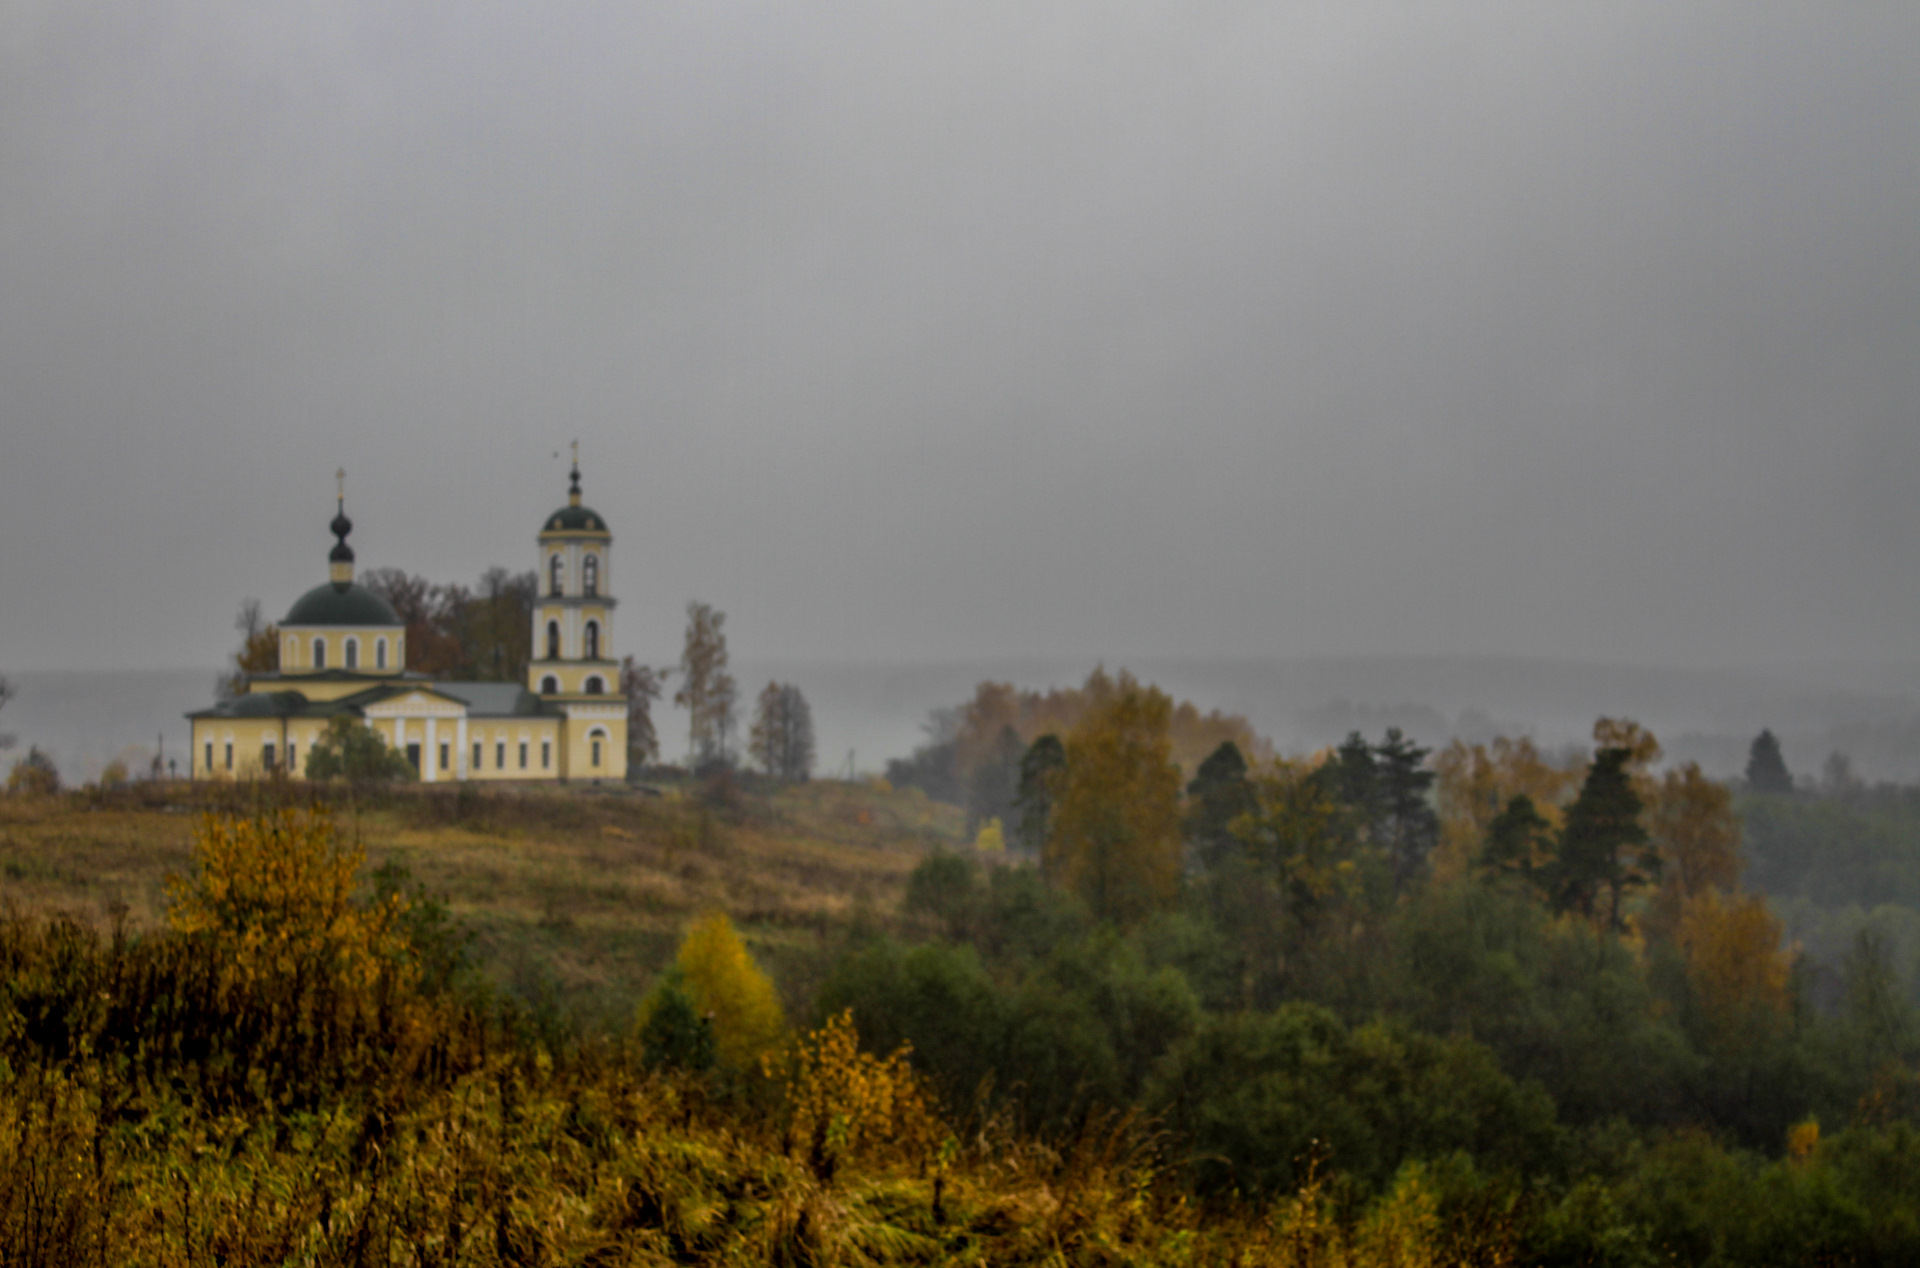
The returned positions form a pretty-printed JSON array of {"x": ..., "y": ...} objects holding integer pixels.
[
  {"x": 1517, "y": 840},
  {"x": 1766, "y": 768},
  {"x": 1219, "y": 794},
  {"x": 1040, "y": 772},
  {"x": 1604, "y": 846}
]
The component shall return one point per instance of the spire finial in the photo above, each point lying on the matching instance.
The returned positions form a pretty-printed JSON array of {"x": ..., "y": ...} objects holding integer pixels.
[
  {"x": 573, "y": 490},
  {"x": 340, "y": 560}
]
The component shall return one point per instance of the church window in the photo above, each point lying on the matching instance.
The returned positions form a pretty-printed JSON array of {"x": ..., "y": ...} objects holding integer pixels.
[
  {"x": 590, "y": 575},
  {"x": 229, "y": 754},
  {"x": 353, "y": 653},
  {"x": 556, "y": 572},
  {"x": 380, "y": 653},
  {"x": 546, "y": 754},
  {"x": 553, "y": 640},
  {"x": 549, "y": 685},
  {"x": 595, "y": 685},
  {"x": 476, "y": 755},
  {"x": 319, "y": 653},
  {"x": 266, "y": 755},
  {"x": 446, "y": 755},
  {"x": 593, "y": 640},
  {"x": 500, "y": 755},
  {"x": 523, "y": 755},
  {"x": 596, "y": 750},
  {"x": 208, "y": 766},
  {"x": 292, "y": 755}
]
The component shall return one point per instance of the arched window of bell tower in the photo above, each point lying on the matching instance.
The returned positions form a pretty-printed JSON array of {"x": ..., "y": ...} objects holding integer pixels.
[
  {"x": 556, "y": 574},
  {"x": 590, "y": 576},
  {"x": 593, "y": 640},
  {"x": 553, "y": 640}
]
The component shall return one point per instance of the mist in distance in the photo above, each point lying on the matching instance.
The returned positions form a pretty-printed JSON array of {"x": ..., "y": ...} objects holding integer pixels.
[{"x": 991, "y": 335}]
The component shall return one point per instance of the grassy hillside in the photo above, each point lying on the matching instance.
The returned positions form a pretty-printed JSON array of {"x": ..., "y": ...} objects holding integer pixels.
[{"x": 575, "y": 897}]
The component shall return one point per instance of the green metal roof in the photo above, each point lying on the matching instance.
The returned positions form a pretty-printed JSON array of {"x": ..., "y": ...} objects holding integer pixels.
[
  {"x": 576, "y": 519},
  {"x": 330, "y": 604}
]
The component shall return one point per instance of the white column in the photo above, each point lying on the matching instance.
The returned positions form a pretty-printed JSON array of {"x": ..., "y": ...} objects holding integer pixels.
[
  {"x": 460, "y": 745},
  {"x": 430, "y": 755}
]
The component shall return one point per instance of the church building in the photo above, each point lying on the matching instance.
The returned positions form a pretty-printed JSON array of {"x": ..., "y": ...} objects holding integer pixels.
[{"x": 343, "y": 650}]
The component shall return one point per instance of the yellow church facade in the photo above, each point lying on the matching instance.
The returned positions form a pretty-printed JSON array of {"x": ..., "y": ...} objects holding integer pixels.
[{"x": 343, "y": 651}]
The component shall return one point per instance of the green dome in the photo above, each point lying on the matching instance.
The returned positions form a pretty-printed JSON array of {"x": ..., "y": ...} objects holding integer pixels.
[
  {"x": 575, "y": 519},
  {"x": 329, "y": 604}
]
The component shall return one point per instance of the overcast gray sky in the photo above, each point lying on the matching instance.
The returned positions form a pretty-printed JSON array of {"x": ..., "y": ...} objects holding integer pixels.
[{"x": 963, "y": 330}]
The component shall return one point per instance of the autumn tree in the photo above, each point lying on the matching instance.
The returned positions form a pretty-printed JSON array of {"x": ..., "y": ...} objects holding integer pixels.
[
  {"x": 1476, "y": 782},
  {"x": 641, "y": 686},
  {"x": 1604, "y": 846},
  {"x": 1740, "y": 973},
  {"x": 781, "y": 740},
  {"x": 1115, "y": 831},
  {"x": 1766, "y": 768},
  {"x": 1695, "y": 832},
  {"x": 258, "y": 653},
  {"x": 706, "y": 688},
  {"x": 720, "y": 977}
]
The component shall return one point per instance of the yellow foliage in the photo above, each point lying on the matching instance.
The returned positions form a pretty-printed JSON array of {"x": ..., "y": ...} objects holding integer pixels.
[
  {"x": 991, "y": 838},
  {"x": 277, "y": 893},
  {"x": 1803, "y": 1140},
  {"x": 1115, "y": 828},
  {"x": 728, "y": 986},
  {"x": 1693, "y": 826},
  {"x": 1477, "y": 781},
  {"x": 848, "y": 1104},
  {"x": 1737, "y": 966},
  {"x": 1402, "y": 1229},
  {"x": 995, "y": 706}
]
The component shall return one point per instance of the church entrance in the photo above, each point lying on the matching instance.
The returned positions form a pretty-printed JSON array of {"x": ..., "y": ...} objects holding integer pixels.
[{"x": 413, "y": 756}]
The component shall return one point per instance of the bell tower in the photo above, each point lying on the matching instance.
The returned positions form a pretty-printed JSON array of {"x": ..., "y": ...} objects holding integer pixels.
[{"x": 573, "y": 615}]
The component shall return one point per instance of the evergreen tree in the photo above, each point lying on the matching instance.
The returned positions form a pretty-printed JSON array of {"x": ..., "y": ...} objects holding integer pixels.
[
  {"x": 1604, "y": 846},
  {"x": 1219, "y": 793},
  {"x": 1039, "y": 776},
  {"x": 1516, "y": 840},
  {"x": 1766, "y": 768},
  {"x": 1410, "y": 828}
]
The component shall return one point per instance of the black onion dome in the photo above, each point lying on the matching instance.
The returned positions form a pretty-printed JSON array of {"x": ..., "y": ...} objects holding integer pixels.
[
  {"x": 330, "y": 605},
  {"x": 576, "y": 519}
]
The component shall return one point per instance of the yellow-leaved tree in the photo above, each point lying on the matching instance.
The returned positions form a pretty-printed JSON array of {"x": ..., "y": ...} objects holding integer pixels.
[
  {"x": 1739, "y": 970},
  {"x": 1693, "y": 826},
  {"x": 277, "y": 895},
  {"x": 1478, "y": 781},
  {"x": 1114, "y": 833},
  {"x": 728, "y": 988},
  {"x": 847, "y": 1104}
]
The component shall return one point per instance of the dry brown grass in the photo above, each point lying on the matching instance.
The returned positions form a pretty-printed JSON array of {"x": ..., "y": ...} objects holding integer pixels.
[{"x": 576, "y": 894}]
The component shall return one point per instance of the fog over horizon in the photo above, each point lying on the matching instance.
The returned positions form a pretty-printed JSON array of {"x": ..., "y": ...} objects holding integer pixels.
[{"x": 977, "y": 332}]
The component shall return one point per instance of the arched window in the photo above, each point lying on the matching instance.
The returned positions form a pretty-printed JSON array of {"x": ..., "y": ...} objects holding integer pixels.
[
  {"x": 380, "y": 653},
  {"x": 549, "y": 685},
  {"x": 353, "y": 653},
  {"x": 599, "y": 738},
  {"x": 319, "y": 653},
  {"x": 590, "y": 575},
  {"x": 595, "y": 686},
  {"x": 553, "y": 640},
  {"x": 556, "y": 572},
  {"x": 593, "y": 640}
]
